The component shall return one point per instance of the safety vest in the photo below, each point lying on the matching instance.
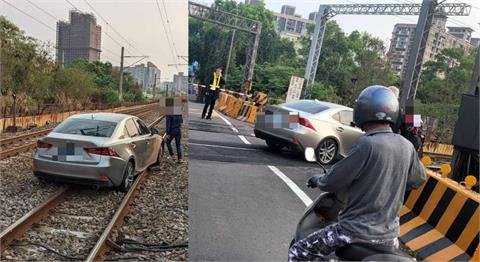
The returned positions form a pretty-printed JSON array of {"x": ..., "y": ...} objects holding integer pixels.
[{"x": 216, "y": 82}]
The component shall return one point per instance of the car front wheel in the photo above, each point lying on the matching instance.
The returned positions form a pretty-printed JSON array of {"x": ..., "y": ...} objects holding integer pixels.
[
  {"x": 327, "y": 151},
  {"x": 128, "y": 177},
  {"x": 160, "y": 155}
]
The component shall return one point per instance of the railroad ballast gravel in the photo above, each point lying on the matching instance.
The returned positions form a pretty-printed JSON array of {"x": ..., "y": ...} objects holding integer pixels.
[
  {"x": 69, "y": 231},
  {"x": 159, "y": 214}
]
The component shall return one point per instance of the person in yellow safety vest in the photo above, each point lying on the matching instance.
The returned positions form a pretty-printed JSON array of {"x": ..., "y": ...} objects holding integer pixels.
[{"x": 213, "y": 85}]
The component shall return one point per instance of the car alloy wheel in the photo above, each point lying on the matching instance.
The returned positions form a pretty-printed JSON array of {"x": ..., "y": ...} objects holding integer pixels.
[
  {"x": 128, "y": 177},
  {"x": 326, "y": 151}
]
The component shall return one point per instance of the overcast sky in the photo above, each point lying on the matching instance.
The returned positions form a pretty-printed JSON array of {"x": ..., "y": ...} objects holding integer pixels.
[
  {"x": 138, "y": 21},
  {"x": 380, "y": 26}
]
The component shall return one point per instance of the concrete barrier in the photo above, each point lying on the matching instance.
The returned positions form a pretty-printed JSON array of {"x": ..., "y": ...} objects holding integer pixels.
[
  {"x": 230, "y": 100},
  {"x": 240, "y": 106},
  {"x": 440, "y": 220},
  {"x": 439, "y": 149},
  {"x": 252, "y": 116},
  {"x": 222, "y": 100},
  {"x": 237, "y": 105},
  {"x": 244, "y": 111}
]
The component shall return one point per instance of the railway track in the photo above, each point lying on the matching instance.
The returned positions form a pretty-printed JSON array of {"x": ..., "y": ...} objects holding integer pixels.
[
  {"x": 15, "y": 145},
  {"x": 63, "y": 213}
]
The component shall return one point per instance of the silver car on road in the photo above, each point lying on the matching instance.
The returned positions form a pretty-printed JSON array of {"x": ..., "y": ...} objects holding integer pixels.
[
  {"x": 98, "y": 149},
  {"x": 324, "y": 126}
]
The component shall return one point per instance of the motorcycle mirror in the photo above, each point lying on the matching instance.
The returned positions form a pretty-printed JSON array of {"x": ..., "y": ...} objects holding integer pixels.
[{"x": 310, "y": 154}]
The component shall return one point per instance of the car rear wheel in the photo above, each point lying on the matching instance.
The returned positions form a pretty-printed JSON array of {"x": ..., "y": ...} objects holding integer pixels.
[
  {"x": 327, "y": 151},
  {"x": 273, "y": 146},
  {"x": 128, "y": 177}
]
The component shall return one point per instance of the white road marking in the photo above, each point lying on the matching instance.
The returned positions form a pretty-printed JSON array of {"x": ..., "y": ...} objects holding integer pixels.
[
  {"x": 305, "y": 199},
  {"x": 223, "y": 118},
  {"x": 232, "y": 127},
  {"x": 244, "y": 140},
  {"x": 230, "y": 147}
]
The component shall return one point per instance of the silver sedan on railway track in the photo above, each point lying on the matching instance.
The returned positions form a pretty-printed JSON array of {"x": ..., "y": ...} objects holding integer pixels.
[
  {"x": 98, "y": 149},
  {"x": 324, "y": 126}
]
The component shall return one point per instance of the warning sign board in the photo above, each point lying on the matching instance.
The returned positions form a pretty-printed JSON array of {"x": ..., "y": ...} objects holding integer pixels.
[{"x": 295, "y": 88}]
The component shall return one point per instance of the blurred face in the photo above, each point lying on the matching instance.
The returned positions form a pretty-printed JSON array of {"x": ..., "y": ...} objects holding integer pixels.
[{"x": 219, "y": 71}]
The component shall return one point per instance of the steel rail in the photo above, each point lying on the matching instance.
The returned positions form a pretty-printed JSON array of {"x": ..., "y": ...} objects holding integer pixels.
[
  {"x": 102, "y": 247},
  {"x": 22, "y": 225},
  {"x": 10, "y": 140},
  {"x": 6, "y": 153}
]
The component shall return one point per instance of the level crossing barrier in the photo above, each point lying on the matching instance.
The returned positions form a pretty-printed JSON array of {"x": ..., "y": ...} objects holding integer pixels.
[{"x": 440, "y": 220}]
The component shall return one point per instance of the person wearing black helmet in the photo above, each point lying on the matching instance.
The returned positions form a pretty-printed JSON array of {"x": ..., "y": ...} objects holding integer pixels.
[{"x": 372, "y": 180}]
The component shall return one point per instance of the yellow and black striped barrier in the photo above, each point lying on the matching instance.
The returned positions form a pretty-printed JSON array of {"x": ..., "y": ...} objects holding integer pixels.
[
  {"x": 440, "y": 220},
  {"x": 239, "y": 107}
]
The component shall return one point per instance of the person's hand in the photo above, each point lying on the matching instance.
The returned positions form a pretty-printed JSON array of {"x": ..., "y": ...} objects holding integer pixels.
[
  {"x": 313, "y": 181},
  {"x": 167, "y": 137}
]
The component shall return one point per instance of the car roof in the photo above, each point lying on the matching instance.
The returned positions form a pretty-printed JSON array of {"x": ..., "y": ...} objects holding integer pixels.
[
  {"x": 324, "y": 103},
  {"x": 333, "y": 105},
  {"x": 112, "y": 117}
]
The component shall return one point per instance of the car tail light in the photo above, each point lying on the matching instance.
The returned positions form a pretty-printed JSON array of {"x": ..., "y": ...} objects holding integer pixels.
[
  {"x": 103, "y": 178},
  {"x": 305, "y": 122},
  {"x": 41, "y": 144},
  {"x": 104, "y": 151}
]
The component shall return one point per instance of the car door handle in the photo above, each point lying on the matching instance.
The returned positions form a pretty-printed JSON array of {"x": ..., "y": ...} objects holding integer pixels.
[
  {"x": 340, "y": 129},
  {"x": 133, "y": 145},
  {"x": 147, "y": 142}
]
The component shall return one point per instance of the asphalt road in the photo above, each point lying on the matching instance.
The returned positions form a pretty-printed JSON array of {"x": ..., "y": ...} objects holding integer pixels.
[{"x": 239, "y": 206}]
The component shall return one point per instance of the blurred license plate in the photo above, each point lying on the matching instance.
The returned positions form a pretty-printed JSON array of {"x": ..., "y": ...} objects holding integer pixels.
[{"x": 278, "y": 120}]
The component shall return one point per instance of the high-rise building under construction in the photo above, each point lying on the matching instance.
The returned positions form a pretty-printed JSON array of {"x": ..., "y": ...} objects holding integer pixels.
[{"x": 80, "y": 38}]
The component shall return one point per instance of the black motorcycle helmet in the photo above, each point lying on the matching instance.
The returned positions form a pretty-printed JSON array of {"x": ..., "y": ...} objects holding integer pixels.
[{"x": 375, "y": 104}]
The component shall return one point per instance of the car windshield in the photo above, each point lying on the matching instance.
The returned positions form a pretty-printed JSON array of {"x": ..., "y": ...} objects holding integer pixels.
[
  {"x": 308, "y": 106},
  {"x": 86, "y": 127}
]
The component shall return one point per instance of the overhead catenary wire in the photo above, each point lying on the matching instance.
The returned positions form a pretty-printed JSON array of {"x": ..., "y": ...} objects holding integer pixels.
[
  {"x": 43, "y": 10},
  {"x": 113, "y": 28},
  {"x": 29, "y": 15},
  {"x": 103, "y": 31},
  {"x": 170, "y": 28},
  {"x": 175, "y": 59}
]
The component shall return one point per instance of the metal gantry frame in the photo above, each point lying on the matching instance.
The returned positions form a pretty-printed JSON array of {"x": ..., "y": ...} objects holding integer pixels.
[
  {"x": 425, "y": 11},
  {"x": 250, "y": 26}
]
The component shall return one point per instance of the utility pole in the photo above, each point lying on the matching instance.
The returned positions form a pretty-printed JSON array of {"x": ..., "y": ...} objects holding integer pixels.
[
  {"x": 229, "y": 54},
  {"x": 475, "y": 81},
  {"x": 120, "y": 87},
  {"x": 63, "y": 58},
  {"x": 154, "y": 85}
]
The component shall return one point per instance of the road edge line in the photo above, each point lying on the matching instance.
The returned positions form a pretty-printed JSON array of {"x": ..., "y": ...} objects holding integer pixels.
[
  {"x": 244, "y": 140},
  {"x": 305, "y": 199}
]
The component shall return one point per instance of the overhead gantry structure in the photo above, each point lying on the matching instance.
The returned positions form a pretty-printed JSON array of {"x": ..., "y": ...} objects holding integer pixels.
[
  {"x": 233, "y": 21},
  {"x": 425, "y": 11}
]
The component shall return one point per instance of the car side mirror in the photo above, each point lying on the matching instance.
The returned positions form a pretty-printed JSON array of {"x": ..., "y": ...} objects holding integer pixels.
[
  {"x": 352, "y": 124},
  {"x": 154, "y": 131}
]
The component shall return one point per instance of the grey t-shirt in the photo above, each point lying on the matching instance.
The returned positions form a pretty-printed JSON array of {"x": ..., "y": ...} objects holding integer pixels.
[{"x": 373, "y": 179}]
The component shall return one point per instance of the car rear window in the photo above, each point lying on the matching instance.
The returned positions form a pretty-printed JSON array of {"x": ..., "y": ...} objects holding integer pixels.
[
  {"x": 308, "y": 106},
  {"x": 86, "y": 127}
]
